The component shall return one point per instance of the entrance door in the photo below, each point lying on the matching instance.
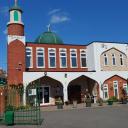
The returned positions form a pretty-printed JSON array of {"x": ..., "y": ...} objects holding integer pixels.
[
  {"x": 74, "y": 93},
  {"x": 105, "y": 91},
  {"x": 44, "y": 95},
  {"x": 115, "y": 86}
]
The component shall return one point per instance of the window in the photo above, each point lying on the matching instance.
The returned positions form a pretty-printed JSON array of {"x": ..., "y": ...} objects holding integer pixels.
[
  {"x": 113, "y": 59},
  {"x": 83, "y": 58},
  {"x": 73, "y": 58},
  {"x": 105, "y": 59},
  {"x": 121, "y": 59},
  {"x": 16, "y": 16},
  {"x": 63, "y": 58},
  {"x": 115, "y": 86},
  {"x": 29, "y": 57},
  {"x": 40, "y": 57},
  {"x": 52, "y": 58},
  {"x": 105, "y": 91}
]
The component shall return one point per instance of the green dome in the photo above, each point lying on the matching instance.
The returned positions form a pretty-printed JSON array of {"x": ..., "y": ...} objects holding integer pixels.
[{"x": 49, "y": 38}]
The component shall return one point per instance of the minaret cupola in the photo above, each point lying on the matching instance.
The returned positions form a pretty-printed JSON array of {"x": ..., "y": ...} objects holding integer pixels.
[
  {"x": 15, "y": 25},
  {"x": 15, "y": 14}
]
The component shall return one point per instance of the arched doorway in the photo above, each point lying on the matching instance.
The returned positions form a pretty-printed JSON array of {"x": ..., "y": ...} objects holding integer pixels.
[
  {"x": 79, "y": 87},
  {"x": 49, "y": 90},
  {"x": 74, "y": 93}
]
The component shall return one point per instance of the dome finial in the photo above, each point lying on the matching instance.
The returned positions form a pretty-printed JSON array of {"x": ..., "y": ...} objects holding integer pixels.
[
  {"x": 15, "y": 2},
  {"x": 49, "y": 27}
]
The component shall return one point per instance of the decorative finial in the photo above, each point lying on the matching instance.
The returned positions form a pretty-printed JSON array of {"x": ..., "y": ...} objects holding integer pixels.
[
  {"x": 15, "y": 2},
  {"x": 49, "y": 27}
]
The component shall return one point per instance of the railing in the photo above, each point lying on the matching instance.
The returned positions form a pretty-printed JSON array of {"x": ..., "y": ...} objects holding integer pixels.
[{"x": 11, "y": 99}]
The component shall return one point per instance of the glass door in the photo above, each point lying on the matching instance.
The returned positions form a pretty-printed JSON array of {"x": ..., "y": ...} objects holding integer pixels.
[
  {"x": 46, "y": 95},
  {"x": 115, "y": 86},
  {"x": 105, "y": 91}
]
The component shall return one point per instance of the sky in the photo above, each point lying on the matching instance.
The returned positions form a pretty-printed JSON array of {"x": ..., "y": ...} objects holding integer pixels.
[{"x": 75, "y": 21}]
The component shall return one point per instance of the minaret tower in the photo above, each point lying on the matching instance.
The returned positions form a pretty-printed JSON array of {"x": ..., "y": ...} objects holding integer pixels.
[{"x": 16, "y": 46}]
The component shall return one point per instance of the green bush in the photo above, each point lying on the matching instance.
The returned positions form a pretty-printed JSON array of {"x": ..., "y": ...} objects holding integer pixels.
[
  {"x": 23, "y": 107},
  {"x": 113, "y": 98},
  {"x": 9, "y": 108}
]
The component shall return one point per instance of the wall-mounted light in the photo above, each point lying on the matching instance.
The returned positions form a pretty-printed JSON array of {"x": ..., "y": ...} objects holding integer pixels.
[
  {"x": 65, "y": 75},
  {"x": 19, "y": 63},
  {"x": 45, "y": 73}
]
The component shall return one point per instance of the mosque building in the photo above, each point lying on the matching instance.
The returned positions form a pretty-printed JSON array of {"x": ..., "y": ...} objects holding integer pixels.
[{"x": 64, "y": 70}]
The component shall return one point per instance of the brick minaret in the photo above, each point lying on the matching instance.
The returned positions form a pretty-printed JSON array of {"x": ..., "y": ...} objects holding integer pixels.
[{"x": 16, "y": 46}]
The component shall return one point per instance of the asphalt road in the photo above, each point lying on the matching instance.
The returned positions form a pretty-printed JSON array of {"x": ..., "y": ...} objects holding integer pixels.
[{"x": 105, "y": 117}]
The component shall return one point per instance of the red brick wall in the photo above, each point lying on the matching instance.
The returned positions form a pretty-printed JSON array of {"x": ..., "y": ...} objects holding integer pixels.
[
  {"x": 46, "y": 46},
  {"x": 16, "y": 62},
  {"x": 120, "y": 80},
  {"x": 16, "y": 29},
  {"x": 2, "y": 101}
]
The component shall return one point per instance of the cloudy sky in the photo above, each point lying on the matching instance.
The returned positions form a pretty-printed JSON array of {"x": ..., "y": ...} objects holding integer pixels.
[{"x": 75, "y": 21}]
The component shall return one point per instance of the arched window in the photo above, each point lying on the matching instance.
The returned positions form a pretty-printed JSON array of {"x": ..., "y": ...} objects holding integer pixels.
[
  {"x": 105, "y": 59},
  {"x": 83, "y": 58},
  {"x": 113, "y": 59},
  {"x": 40, "y": 57},
  {"x": 16, "y": 18},
  {"x": 73, "y": 58},
  {"x": 29, "y": 57},
  {"x": 121, "y": 59},
  {"x": 52, "y": 57},
  {"x": 63, "y": 58}
]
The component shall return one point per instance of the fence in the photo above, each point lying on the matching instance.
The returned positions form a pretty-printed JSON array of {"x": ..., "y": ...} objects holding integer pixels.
[{"x": 11, "y": 98}]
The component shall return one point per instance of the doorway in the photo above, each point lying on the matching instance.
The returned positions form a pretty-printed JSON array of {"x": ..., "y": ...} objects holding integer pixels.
[
  {"x": 44, "y": 95},
  {"x": 74, "y": 93}
]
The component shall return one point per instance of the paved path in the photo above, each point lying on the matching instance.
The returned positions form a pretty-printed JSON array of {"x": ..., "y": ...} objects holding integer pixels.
[{"x": 95, "y": 117}]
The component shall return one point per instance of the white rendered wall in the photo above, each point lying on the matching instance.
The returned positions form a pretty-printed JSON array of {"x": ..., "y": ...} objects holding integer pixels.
[
  {"x": 98, "y": 48},
  {"x": 90, "y": 57}
]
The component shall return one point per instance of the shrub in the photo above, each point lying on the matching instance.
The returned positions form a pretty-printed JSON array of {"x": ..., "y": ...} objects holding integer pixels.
[
  {"x": 58, "y": 101},
  {"x": 9, "y": 108},
  {"x": 23, "y": 107},
  {"x": 100, "y": 101},
  {"x": 113, "y": 98}
]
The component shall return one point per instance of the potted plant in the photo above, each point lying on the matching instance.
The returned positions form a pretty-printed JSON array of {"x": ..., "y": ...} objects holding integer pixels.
[
  {"x": 100, "y": 101},
  {"x": 124, "y": 96},
  {"x": 110, "y": 101},
  {"x": 88, "y": 101},
  {"x": 74, "y": 103},
  {"x": 114, "y": 98},
  {"x": 66, "y": 102},
  {"x": 59, "y": 103}
]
